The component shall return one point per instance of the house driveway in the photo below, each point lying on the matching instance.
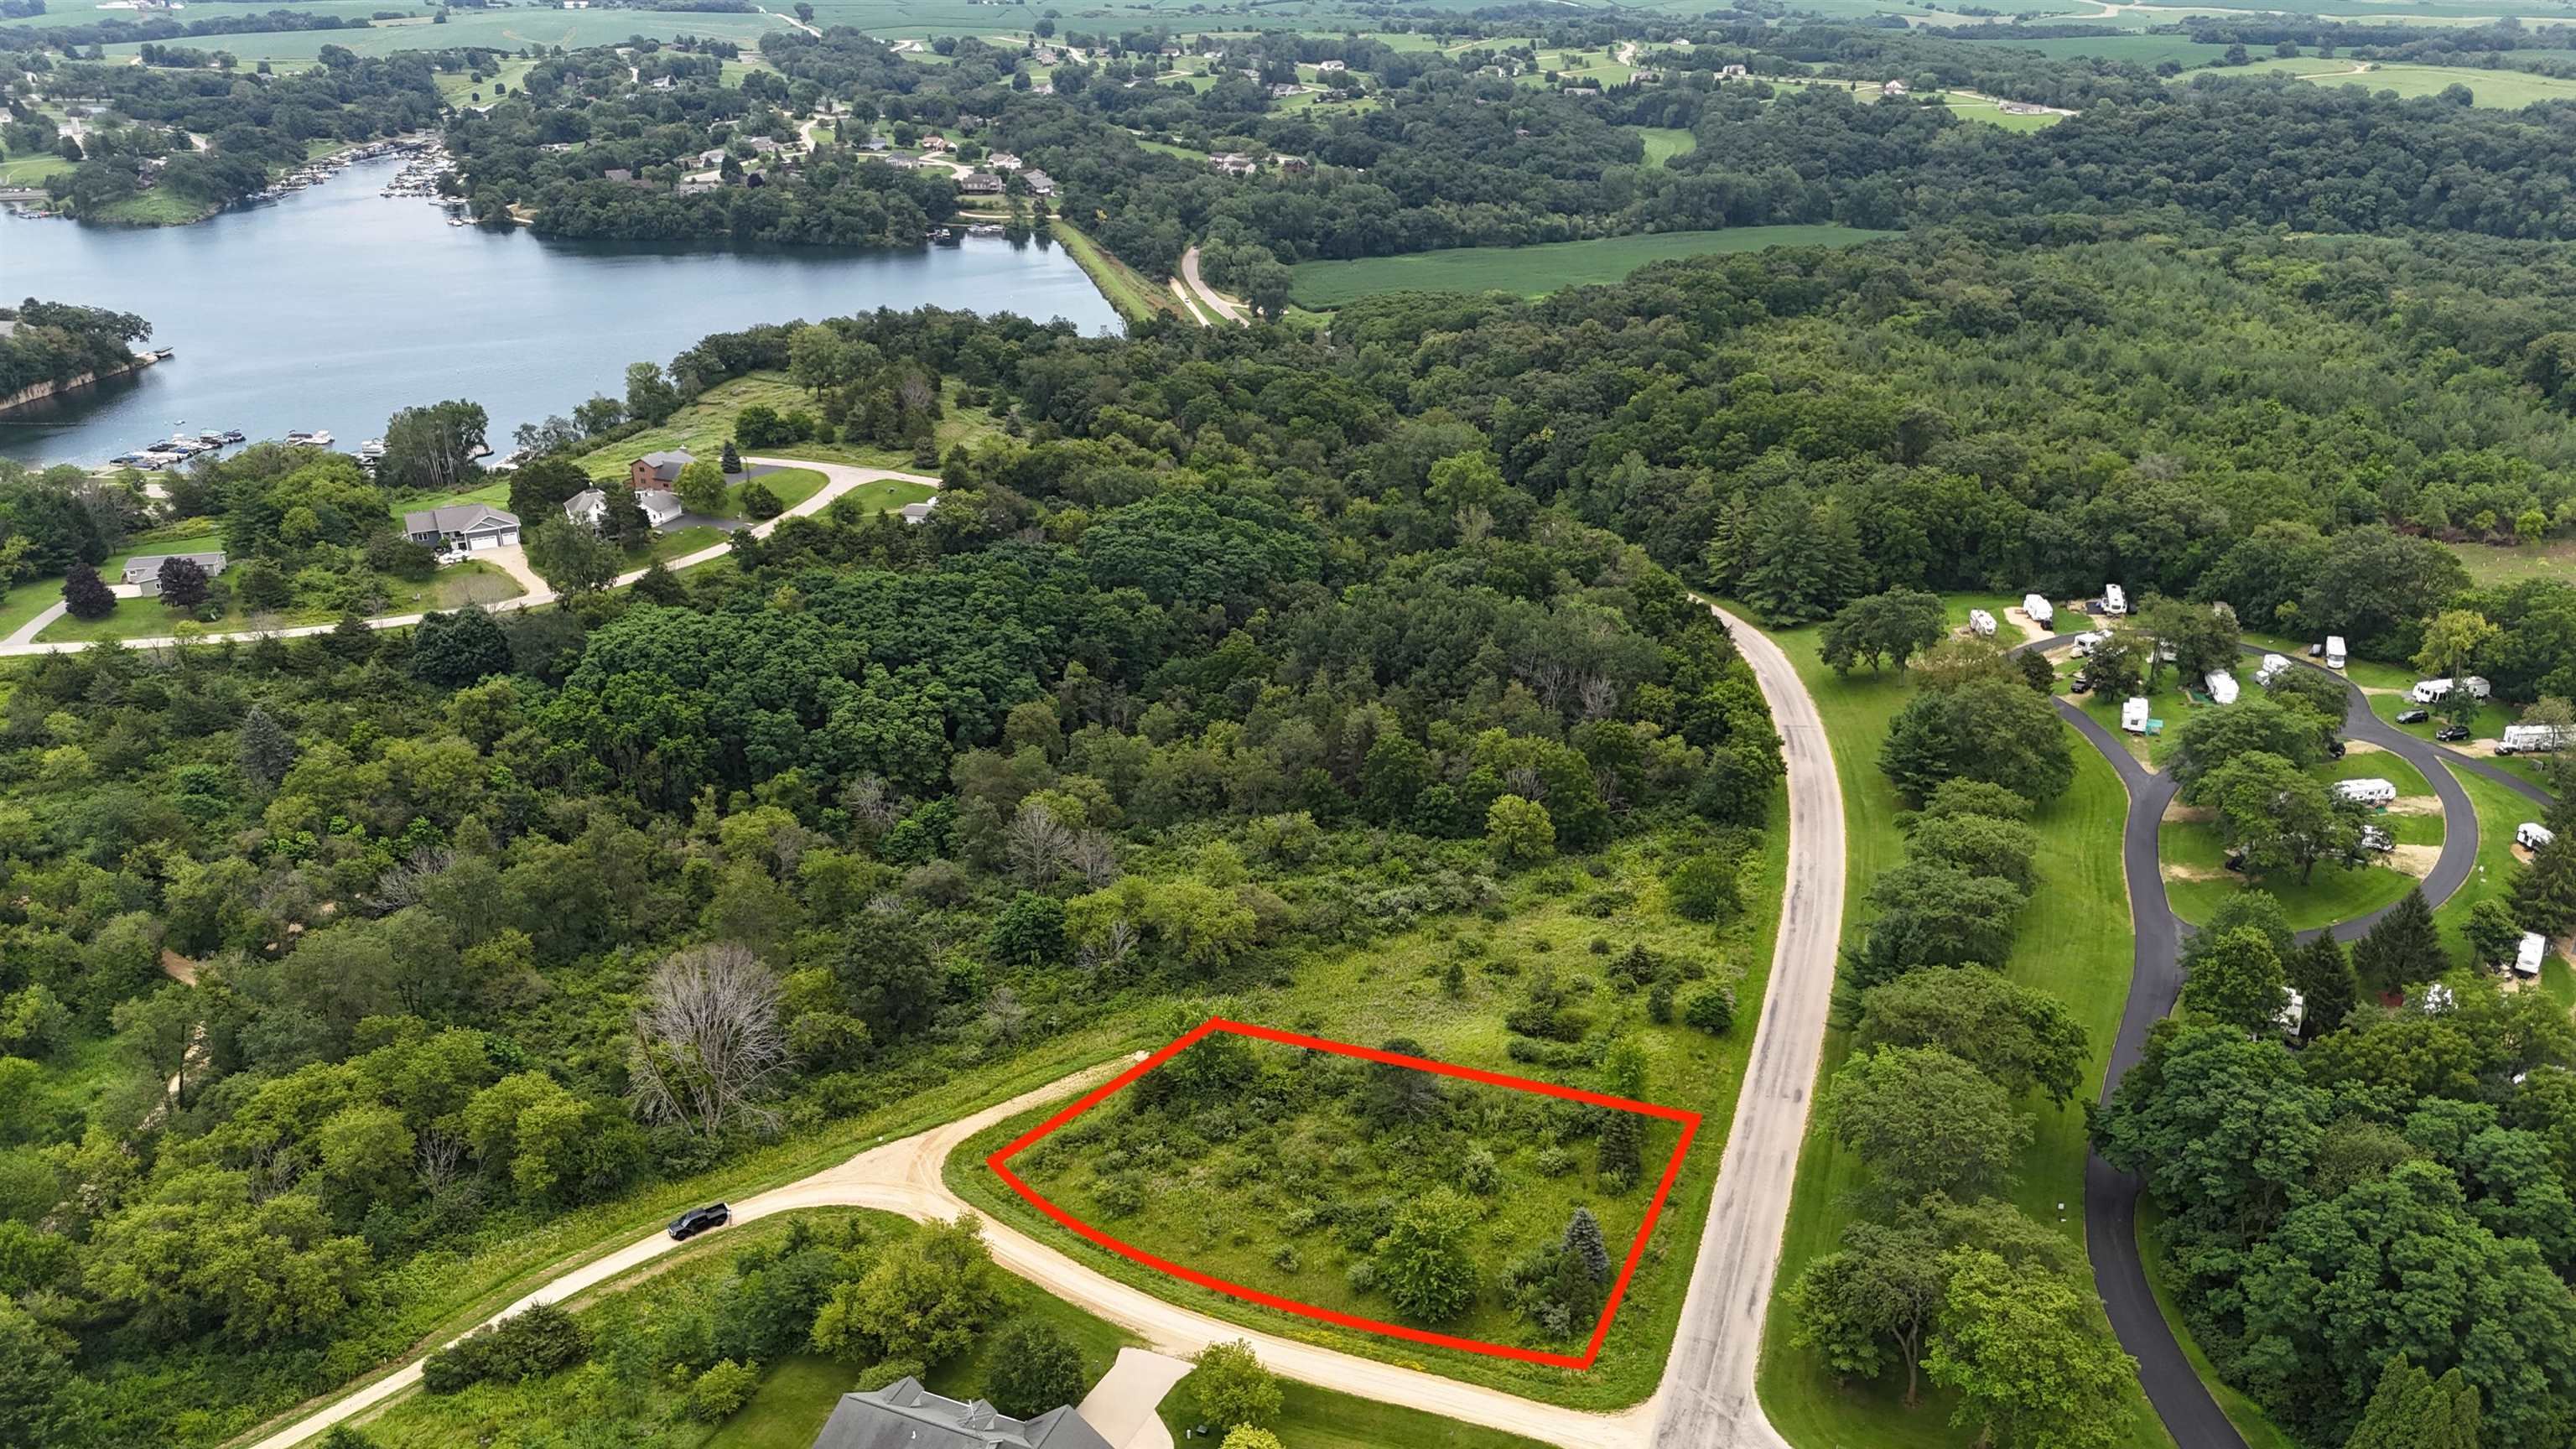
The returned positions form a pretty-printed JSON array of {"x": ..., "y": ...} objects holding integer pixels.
[{"x": 1121, "y": 1406}]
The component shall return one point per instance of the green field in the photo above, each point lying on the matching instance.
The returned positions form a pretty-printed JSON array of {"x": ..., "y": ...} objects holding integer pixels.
[
  {"x": 2134, "y": 49},
  {"x": 2489, "y": 565},
  {"x": 1549, "y": 917},
  {"x": 1537, "y": 270},
  {"x": 1663, "y": 142},
  {"x": 2073, "y": 949},
  {"x": 1314, "y": 1418},
  {"x": 458, "y": 584},
  {"x": 2494, "y": 89},
  {"x": 507, "y": 30},
  {"x": 1987, "y": 112},
  {"x": 2499, "y": 811}
]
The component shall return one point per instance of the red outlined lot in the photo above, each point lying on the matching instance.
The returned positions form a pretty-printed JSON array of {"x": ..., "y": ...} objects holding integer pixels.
[{"x": 1689, "y": 1122}]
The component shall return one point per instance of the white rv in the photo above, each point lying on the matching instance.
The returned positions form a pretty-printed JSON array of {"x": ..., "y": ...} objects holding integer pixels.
[
  {"x": 2085, "y": 641},
  {"x": 2115, "y": 602},
  {"x": 2428, "y": 691},
  {"x": 1981, "y": 623},
  {"x": 2222, "y": 686},
  {"x": 2370, "y": 791},
  {"x": 2530, "y": 740},
  {"x": 2531, "y": 835},
  {"x": 2528, "y": 956},
  {"x": 2272, "y": 667},
  {"x": 2334, "y": 651},
  {"x": 2294, "y": 1012},
  {"x": 2133, "y": 714},
  {"x": 2040, "y": 610}
]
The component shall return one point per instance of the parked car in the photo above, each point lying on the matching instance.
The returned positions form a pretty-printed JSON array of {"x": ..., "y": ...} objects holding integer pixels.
[
  {"x": 2451, "y": 734},
  {"x": 2335, "y": 749},
  {"x": 2413, "y": 716},
  {"x": 697, "y": 1220},
  {"x": 2316, "y": 651},
  {"x": 2079, "y": 685}
]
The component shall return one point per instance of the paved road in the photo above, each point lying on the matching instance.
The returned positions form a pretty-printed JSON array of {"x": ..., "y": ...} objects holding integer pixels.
[
  {"x": 1215, "y": 301},
  {"x": 839, "y": 478},
  {"x": 2173, "y": 1387},
  {"x": 1708, "y": 1399}
]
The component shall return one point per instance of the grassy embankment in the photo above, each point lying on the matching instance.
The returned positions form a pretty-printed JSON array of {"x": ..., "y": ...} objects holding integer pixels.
[
  {"x": 1129, "y": 290},
  {"x": 2073, "y": 943},
  {"x": 702, "y": 427},
  {"x": 1534, "y": 271},
  {"x": 1393, "y": 988}
]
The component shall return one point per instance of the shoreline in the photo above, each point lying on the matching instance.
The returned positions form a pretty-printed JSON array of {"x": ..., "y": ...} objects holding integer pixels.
[{"x": 36, "y": 392}]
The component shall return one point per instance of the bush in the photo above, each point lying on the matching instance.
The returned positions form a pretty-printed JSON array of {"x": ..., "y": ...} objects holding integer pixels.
[
  {"x": 1034, "y": 1370},
  {"x": 1231, "y": 1387},
  {"x": 892, "y": 1371},
  {"x": 543, "y": 1340},
  {"x": 723, "y": 1388},
  {"x": 759, "y": 502},
  {"x": 1659, "y": 1003},
  {"x": 1704, "y": 889},
  {"x": 1711, "y": 1009}
]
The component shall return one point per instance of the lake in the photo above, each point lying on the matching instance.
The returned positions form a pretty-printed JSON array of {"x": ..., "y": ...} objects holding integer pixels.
[{"x": 335, "y": 307}]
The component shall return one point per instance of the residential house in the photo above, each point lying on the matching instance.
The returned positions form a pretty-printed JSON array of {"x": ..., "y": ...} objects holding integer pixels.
[
  {"x": 658, "y": 469},
  {"x": 1581, "y": 88},
  {"x": 1232, "y": 163},
  {"x": 662, "y": 83},
  {"x": 1293, "y": 165},
  {"x": 1040, "y": 183},
  {"x": 619, "y": 175},
  {"x": 1892, "y": 88},
  {"x": 660, "y": 506},
  {"x": 1283, "y": 89},
  {"x": 916, "y": 512},
  {"x": 1004, "y": 161},
  {"x": 1331, "y": 67},
  {"x": 697, "y": 188},
  {"x": 981, "y": 183},
  {"x": 712, "y": 156},
  {"x": 462, "y": 526},
  {"x": 1647, "y": 77},
  {"x": 904, "y": 1415},
  {"x": 875, "y": 143},
  {"x": 1732, "y": 72},
  {"x": 761, "y": 145},
  {"x": 934, "y": 143},
  {"x": 576, "y": 4},
  {"x": 143, "y": 574},
  {"x": 1043, "y": 88}
]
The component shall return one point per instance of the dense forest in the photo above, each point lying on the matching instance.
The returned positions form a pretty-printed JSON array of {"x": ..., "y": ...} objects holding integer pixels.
[{"x": 57, "y": 341}]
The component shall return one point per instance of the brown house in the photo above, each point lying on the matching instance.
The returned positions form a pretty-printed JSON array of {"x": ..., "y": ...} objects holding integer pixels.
[{"x": 657, "y": 470}]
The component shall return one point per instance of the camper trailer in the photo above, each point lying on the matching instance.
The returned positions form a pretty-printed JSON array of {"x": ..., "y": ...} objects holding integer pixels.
[
  {"x": 1981, "y": 623},
  {"x": 2115, "y": 602},
  {"x": 2222, "y": 686},
  {"x": 2431, "y": 691},
  {"x": 2528, "y": 956},
  {"x": 2334, "y": 651},
  {"x": 2530, "y": 740},
  {"x": 2272, "y": 667},
  {"x": 2040, "y": 610},
  {"x": 2085, "y": 641},
  {"x": 2531, "y": 835},
  {"x": 2133, "y": 714},
  {"x": 2294, "y": 1012},
  {"x": 2369, "y": 791}
]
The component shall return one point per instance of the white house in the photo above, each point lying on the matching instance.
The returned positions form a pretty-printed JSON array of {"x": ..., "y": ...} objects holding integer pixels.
[
  {"x": 660, "y": 506},
  {"x": 2369, "y": 790},
  {"x": 1981, "y": 623},
  {"x": 2222, "y": 686},
  {"x": 1893, "y": 88},
  {"x": 144, "y": 574},
  {"x": 2040, "y": 610}
]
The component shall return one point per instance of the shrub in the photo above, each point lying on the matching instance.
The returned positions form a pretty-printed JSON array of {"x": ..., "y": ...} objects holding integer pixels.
[
  {"x": 723, "y": 1388},
  {"x": 1659, "y": 1003},
  {"x": 543, "y": 1340},
  {"x": 1231, "y": 1386},
  {"x": 892, "y": 1371},
  {"x": 1034, "y": 1370},
  {"x": 1704, "y": 889},
  {"x": 759, "y": 502},
  {"x": 1711, "y": 1009}
]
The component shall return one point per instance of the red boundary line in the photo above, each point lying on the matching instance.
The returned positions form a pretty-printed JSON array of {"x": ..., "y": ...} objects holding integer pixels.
[{"x": 1689, "y": 1124}]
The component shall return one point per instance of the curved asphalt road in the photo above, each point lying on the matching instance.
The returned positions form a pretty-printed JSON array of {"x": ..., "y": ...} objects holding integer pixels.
[{"x": 2155, "y": 981}]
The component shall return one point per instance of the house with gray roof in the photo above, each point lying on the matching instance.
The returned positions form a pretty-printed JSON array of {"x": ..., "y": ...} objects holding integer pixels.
[
  {"x": 904, "y": 1415},
  {"x": 144, "y": 574},
  {"x": 462, "y": 526},
  {"x": 658, "y": 470}
]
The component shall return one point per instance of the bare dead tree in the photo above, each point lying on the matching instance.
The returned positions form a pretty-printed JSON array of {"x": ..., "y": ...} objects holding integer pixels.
[
  {"x": 1600, "y": 696},
  {"x": 1475, "y": 524},
  {"x": 867, "y": 801},
  {"x": 441, "y": 1156},
  {"x": 1116, "y": 945},
  {"x": 1526, "y": 782},
  {"x": 407, "y": 884},
  {"x": 1004, "y": 1017},
  {"x": 1038, "y": 844},
  {"x": 1095, "y": 858},
  {"x": 708, "y": 1042}
]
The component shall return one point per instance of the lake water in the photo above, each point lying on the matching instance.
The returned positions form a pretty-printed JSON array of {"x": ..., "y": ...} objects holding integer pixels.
[{"x": 334, "y": 307}]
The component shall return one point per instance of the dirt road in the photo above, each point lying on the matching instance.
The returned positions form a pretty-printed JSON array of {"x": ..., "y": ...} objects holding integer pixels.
[{"x": 1707, "y": 1401}]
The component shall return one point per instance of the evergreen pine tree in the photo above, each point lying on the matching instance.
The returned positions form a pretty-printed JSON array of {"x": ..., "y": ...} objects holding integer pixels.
[
  {"x": 1584, "y": 1244},
  {"x": 267, "y": 751},
  {"x": 2321, "y": 975},
  {"x": 2410, "y": 1410},
  {"x": 2544, "y": 893},
  {"x": 1846, "y": 574},
  {"x": 1729, "y": 542},
  {"x": 732, "y": 463},
  {"x": 1621, "y": 1145},
  {"x": 2401, "y": 950}
]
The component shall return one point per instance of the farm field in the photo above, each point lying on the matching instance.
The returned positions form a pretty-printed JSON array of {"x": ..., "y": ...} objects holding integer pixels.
[
  {"x": 1543, "y": 928},
  {"x": 2494, "y": 89},
  {"x": 2063, "y": 949},
  {"x": 1537, "y": 270},
  {"x": 1988, "y": 112},
  {"x": 508, "y": 30}
]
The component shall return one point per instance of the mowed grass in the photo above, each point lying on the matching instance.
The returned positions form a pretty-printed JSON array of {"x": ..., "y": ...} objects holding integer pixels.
[
  {"x": 2246, "y": 1415},
  {"x": 1537, "y": 270},
  {"x": 2073, "y": 942},
  {"x": 1664, "y": 142},
  {"x": 2494, "y": 89},
  {"x": 505, "y": 30},
  {"x": 1130, "y": 291},
  {"x": 2197, "y": 880},
  {"x": 452, "y": 587},
  {"x": 2489, "y": 564},
  {"x": 2499, "y": 860},
  {"x": 1392, "y": 987}
]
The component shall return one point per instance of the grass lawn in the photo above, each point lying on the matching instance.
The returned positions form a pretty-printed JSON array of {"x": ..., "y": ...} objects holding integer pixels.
[
  {"x": 2499, "y": 811},
  {"x": 460, "y": 88},
  {"x": 672, "y": 543},
  {"x": 2494, "y": 89},
  {"x": 1992, "y": 113},
  {"x": 2489, "y": 565},
  {"x": 1664, "y": 142},
  {"x": 1130, "y": 291},
  {"x": 884, "y": 496},
  {"x": 2487, "y": 724},
  {"x": 2197, "y": 879},
  {"x": 31, "y": 170},
  {"x": 701, "y": 428},
  {"x": 2370, "y": 674},
  {"x": 27, "y": 600},
  {"x": 157, "y": 207},
  {"x": 1393, "y": 987},
  {"x": 2166, "y": 702},
  {"x": 2075, "y": 948},
  {"x": 458, "y": 584},
  {"x": 1537, "y": 270},
  {"x": 1318, "y": 1418}
]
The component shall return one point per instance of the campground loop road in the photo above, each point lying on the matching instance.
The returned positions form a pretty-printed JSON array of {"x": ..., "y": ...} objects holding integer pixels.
[
  {"x": 1706, "y": 1399},
  {"x": 2180, "y": 1399}
]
